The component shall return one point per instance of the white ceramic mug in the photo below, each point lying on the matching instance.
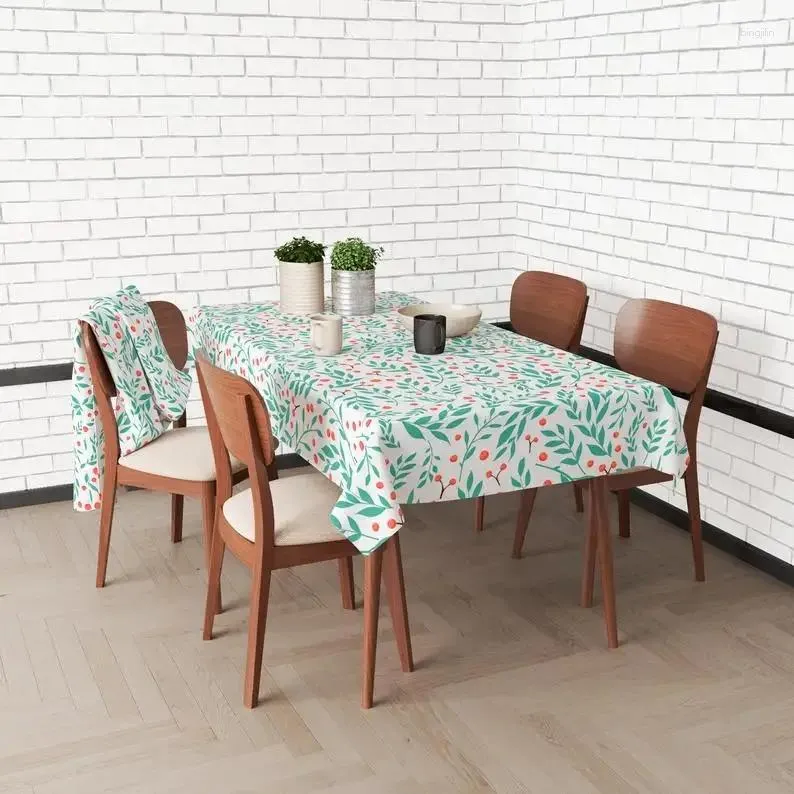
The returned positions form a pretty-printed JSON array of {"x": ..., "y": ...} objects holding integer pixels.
[{"x": 326, "y": 334}]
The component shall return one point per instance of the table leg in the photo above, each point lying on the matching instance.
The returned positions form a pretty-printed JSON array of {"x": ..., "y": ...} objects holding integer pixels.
[
  {"x": 590, "y": 551},
  {"x": 479, "y": 513},
  {"x": 373, "y": 566},
  {"x": 599, "y": 517},
  {"x": 395, "y": 592}
]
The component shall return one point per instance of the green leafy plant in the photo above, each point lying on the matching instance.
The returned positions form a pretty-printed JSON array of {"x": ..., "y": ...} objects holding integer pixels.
[
  {"x": 299, "y": 249},
  {"x": 354, "y": 254}
]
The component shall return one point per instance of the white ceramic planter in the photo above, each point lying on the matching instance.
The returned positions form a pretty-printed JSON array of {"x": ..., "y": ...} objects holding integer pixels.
[{"x": 301, "y": 288}]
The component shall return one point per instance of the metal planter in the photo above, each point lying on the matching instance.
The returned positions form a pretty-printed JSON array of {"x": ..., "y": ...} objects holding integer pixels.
[{"x": 353, "y": 292}]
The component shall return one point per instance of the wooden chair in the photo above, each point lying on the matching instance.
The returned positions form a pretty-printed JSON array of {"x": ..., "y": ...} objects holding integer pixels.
[
  {"x": 550, "y": 308},
  {"x": 672, "y": 345},
  {"x": 179, "y": 462},
  {"x": 284, "y": 523}
]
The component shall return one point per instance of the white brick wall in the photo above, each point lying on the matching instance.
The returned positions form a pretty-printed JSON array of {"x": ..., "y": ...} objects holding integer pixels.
[
  {"x": 646, "y": 146},
  {"x": 657, "y": 160},
  {"x": 174, "y": 143}
]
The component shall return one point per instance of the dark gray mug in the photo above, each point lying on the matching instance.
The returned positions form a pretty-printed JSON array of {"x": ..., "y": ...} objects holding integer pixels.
[{"x": 430, "y": 334}]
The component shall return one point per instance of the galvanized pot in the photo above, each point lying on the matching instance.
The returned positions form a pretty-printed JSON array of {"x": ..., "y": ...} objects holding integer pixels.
[{"x": 353, "y": 292}]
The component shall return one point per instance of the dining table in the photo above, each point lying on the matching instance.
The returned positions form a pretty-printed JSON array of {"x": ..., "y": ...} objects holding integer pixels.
[{"x": 495, "y": 412}]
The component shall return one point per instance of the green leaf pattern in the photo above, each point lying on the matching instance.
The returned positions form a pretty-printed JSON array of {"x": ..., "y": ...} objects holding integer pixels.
[
  {"x": 151, "y": 391},
  {"x": 495, "y": 412}
]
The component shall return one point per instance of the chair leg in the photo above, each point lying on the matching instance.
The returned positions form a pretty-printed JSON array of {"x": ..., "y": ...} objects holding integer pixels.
[
  {"x": 693, "y": 507},
  {"x": 213, "y": 583},
  {"x": 479, "y": 513},
  {"x": 589, "y": 557},
  {"x": 346, "y": 583},
  {"x": 106, "y": 522},
  {"x": 373, "y": 564},
  {"x": 260, "y": 594},
  {"x": 624, "y": 514},
  {"x": 578, "y": 496},
  {"x": 395, "y": 592},
  {"x": 208, "y": 527},
  {"x": 522, "y": 521},
  {"x": 177, "y": 509},
  {"x": 598, "y": 495}
]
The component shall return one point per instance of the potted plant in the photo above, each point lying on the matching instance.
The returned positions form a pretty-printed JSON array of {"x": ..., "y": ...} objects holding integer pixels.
[
  {"x": 300, "y": 277},
  {"x": 353, "y": 276}
]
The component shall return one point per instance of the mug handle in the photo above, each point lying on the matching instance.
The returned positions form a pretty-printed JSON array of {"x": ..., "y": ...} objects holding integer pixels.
[
  {"x": 441, "y": 334},
  {"x": 315, "y": 327}
]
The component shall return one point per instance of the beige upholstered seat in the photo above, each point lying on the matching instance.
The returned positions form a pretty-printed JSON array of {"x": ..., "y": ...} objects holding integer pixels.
[
  {"x": 183, "y": 453},
  {"x": 301, "y": 504}
]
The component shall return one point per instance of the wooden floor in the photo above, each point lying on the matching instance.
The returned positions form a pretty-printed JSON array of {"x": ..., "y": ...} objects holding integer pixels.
[{"x": 514, "y": 690}]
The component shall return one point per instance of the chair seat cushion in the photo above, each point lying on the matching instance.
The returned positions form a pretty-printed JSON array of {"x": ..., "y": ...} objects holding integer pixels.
[
  {"x": 301, "y": 505},
  {"x": 182, "y": 453}
]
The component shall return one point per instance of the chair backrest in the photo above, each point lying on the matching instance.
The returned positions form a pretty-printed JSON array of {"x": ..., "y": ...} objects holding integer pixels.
[
  {"x": 669, "y": 344},
  {"x": 664, "y": 342},
  {"x": 171, "y": 323},
  {"x": 239, "y": 424},
  {"x": 173, "y": 331},
  {"x": 549, "y": 307}
]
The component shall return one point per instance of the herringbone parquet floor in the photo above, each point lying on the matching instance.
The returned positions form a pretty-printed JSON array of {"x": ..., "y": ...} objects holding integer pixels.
[{"x": 515, "y": 691}]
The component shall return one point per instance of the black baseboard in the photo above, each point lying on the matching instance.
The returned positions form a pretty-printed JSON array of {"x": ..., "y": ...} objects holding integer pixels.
[
  {"x": 41, "y": 373},
  {"x": 717, "y": 537},
  {"x": 712, "y": 535},
  {"x": 36, "y": 496},
  {"x": 63, "y": 493}
]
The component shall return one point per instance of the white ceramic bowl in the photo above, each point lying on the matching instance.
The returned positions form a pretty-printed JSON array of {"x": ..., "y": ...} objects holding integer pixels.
[{"x": 460, "y": 319}]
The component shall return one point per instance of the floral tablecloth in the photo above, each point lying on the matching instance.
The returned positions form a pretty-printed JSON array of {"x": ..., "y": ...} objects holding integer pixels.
[{"x": 495, "y": 412}]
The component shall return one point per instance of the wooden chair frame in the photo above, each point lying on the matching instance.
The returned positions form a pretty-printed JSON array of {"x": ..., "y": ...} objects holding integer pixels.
[
  {"x": 239, "y": 424},
  {"x": 690, "y": 337},
  {"x": 668, "y": 344},
  {"x": 172, "y": 327},
  {"x": 557, "y": 318}
]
